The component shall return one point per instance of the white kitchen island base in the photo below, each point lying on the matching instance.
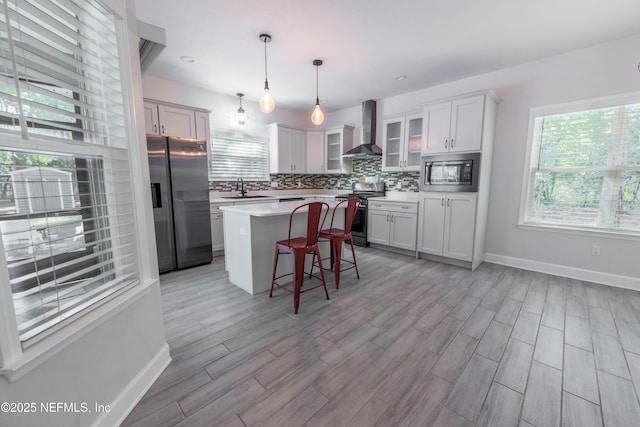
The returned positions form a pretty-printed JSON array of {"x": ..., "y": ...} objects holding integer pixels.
[{"x": 250, "y": 235}]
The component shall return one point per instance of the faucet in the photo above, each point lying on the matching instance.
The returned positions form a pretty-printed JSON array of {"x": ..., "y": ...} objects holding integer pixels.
[{"x": 240, "y": 187}]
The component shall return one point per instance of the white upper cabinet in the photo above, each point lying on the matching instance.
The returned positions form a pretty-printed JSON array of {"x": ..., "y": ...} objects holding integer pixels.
[
  {"x": 402, "y": 143},
  {"x": 315, "y": 152},
  {"x": 176, "y": 121},
  {"x": 202, "y": 125},
  {"x": 454, "y": 126},
  {"x": 171, "y": 120},
  {"x": 337, "y": 141},
  {"x": 392, "y": 144},
  {"x": 151, "y": 122},
  {"x": 287, "y": 149}
]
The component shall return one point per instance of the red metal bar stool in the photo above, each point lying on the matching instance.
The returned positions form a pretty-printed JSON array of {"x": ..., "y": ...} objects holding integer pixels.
[
  {"x": 337, "y": 236},
  {"x": 299, "y": 247}
]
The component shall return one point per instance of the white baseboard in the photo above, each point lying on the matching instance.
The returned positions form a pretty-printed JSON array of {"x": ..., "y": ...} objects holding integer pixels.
[
  {"x": 124, "y": 403},
  {"x": 619, "y": 281}
]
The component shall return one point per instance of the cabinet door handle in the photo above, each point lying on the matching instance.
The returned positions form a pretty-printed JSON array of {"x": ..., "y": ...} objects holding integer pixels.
[
  {"x": 446, "y": 141},
  {"x": 162, "y": 127},
  {"x": 391, "y": 218},
  {"x": 448, "y": 202},
  {"x": 155, "y": 128},
  {"x": 388, "y": 215},
  {"x": 442, "y": 202},
  {"x": 451, "y": 142}
]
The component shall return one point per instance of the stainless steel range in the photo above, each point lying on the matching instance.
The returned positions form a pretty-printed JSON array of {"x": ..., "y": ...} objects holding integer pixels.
[{"x": 362, "y": 191}]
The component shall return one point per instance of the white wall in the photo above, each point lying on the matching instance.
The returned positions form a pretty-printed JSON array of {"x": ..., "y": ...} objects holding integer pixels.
[
  {"x": 601, "y": 70},
  {"x": 222, "y": 107},
  {"x": 111, "y": 363}
]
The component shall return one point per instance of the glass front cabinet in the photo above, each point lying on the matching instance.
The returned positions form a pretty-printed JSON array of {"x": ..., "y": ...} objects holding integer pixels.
[{"x": 402, "y": 143}]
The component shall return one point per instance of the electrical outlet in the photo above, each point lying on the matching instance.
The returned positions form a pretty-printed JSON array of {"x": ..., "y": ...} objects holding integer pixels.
[
  {"x": 595, "y": 250},
  {"x": 274, "y": 184}
]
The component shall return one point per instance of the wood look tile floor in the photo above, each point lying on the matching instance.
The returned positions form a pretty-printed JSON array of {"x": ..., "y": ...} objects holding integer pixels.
[{"x": 412, "y": 343}]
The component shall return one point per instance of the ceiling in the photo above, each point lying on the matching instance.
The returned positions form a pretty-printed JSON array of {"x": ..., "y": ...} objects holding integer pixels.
[{"x": 365, "y": 44}]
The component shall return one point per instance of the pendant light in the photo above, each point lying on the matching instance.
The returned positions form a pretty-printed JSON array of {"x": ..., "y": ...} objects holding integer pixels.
[
  {"x": 241, "y": 116},
  {"x": 317, "y": 117},
  {"x": 266, "y": 101}
]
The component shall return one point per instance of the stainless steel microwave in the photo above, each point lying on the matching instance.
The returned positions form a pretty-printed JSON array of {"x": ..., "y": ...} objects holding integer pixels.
[{"x": 450, "y": 172}]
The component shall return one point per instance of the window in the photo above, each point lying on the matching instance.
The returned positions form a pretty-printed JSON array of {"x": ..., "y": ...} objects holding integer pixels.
[
  {"x": 239, "y": 156},
  {"x": 66, "y": 204},
  {"x": 584, "y": 169}
]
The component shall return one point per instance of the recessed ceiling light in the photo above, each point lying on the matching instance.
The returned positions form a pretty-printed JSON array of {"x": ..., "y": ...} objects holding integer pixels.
[
  {"x": 188, "y": 59},
  {"x": 400, "y": 78}
]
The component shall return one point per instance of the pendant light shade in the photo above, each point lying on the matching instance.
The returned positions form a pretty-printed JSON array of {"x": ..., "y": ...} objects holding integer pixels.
[
  {"x": 241, "y": 116},
  {"x": 267, "y": 104},
  {"x": 317, "y": 117}
]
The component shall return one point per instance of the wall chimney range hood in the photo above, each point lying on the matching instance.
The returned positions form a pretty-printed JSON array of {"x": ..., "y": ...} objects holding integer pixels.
[{"x": 368, "y": 147}]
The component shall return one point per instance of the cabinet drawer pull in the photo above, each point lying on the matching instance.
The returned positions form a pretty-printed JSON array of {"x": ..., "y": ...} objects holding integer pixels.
[{"x": 405, "y": 207}]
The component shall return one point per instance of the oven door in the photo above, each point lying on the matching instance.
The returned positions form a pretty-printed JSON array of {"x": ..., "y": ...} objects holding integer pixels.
[{"x": 359, "y": 227}]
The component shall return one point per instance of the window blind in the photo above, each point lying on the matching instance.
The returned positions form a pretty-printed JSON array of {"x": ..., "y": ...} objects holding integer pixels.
[
  {"x": 585, "y": 169},
  {"x": 66, "y": 204},
  {"x": 238, "y": 156}
]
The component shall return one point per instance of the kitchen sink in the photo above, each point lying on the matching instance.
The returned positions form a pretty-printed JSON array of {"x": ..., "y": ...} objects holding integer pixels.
[{"x": 243, "y": 197}]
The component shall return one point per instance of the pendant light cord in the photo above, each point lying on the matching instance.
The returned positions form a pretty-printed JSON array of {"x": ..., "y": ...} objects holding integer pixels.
[{"x": 265, "y": 61}]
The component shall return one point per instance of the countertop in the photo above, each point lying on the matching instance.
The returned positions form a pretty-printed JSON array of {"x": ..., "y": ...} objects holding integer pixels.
[
  {"x": 266, "y": 198},
  {"x": 270, "y": 208}
]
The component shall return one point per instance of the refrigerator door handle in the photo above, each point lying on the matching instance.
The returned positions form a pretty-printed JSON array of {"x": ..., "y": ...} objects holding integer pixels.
[{"x": 156, "y": 195}]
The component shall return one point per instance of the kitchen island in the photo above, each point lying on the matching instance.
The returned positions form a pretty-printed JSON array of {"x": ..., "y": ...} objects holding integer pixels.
[{"x": 250, "y": 235}]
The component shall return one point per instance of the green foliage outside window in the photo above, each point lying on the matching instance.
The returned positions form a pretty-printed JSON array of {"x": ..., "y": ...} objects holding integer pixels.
[{"x": 586, "y": 171}]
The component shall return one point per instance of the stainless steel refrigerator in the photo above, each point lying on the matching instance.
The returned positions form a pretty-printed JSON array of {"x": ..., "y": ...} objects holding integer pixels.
[{"x": 180, "y": 195}]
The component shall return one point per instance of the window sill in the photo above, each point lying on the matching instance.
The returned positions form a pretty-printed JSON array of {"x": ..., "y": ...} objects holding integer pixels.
[
  {"x": 41, "y": 351},
  {"x": 607, "y": 234}
]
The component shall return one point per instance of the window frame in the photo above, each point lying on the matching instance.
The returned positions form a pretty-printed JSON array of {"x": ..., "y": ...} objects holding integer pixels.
[
  {"x": 16, "y": 361},
  {"x": 239, "y": 137},
  {"x": 528, "y": 170}
]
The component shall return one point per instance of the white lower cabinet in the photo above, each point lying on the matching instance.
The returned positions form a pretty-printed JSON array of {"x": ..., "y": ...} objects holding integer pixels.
[
  {"x": 217, "y": 230},
  {"x": 447, "y": 224},
  {"x": 392, "y": 224}
]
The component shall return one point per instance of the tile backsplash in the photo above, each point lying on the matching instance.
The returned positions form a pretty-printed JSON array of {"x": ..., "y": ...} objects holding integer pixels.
[{"x": 368, "y": 167}]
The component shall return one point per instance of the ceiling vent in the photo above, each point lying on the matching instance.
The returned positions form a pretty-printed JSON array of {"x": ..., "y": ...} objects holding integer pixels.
[{"x": 152, "y": 41}]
